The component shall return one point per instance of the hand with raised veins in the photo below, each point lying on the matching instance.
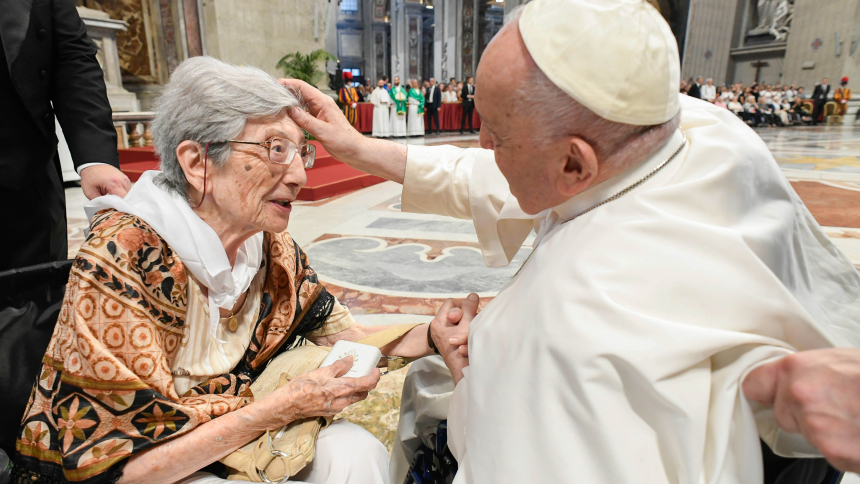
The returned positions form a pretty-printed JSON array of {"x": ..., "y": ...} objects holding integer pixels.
[{"x": 816, "y": 394}]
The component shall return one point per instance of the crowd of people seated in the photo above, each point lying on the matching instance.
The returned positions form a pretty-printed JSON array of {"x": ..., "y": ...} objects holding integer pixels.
[{"x": 759, "y": 104}]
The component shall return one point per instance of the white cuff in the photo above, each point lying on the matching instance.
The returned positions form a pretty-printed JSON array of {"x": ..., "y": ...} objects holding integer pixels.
[{"x": 86, "y": 165}]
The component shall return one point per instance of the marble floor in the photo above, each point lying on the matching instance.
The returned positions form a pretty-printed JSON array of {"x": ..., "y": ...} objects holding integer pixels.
[{"x": 390, "y": 267}]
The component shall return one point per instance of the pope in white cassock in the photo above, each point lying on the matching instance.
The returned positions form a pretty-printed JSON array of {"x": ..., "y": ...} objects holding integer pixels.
[
  {"x": 671, "y": 259},
  {"x": 381, "y": 105}
]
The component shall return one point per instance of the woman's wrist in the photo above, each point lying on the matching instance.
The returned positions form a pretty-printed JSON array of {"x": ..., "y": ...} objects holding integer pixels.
[{"x": 268, "y": 413}]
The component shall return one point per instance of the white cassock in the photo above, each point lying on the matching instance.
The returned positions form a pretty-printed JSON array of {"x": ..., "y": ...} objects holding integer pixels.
[
  {"x": 415, "y": 121},
  {"x": 617, "y": 353},
  {"x": 381, "y": 106}
]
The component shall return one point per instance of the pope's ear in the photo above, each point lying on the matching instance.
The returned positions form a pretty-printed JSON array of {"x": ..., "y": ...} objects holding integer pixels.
[
  {"x": 580, "y": 168},
  {"x": 191, "y": 160}
]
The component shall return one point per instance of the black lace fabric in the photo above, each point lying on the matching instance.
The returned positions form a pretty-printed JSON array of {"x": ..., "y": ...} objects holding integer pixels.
[
  {"x": 21, "y": 474},
  {"x": 314, "y": 319}
]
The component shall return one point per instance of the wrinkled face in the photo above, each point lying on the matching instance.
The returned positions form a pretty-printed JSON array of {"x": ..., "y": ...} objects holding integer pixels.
[
  {"x": 524, "y": 163},
  {"x": 250, "y": 191}
]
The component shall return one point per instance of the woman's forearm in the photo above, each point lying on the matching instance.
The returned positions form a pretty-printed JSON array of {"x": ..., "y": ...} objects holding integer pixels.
[
  {"x": 411, "y": 345},
  {"x": 209, "y": 442}
]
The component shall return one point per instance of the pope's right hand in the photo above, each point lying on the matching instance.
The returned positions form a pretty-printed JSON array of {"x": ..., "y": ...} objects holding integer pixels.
[{"x": 324, "y": 120}]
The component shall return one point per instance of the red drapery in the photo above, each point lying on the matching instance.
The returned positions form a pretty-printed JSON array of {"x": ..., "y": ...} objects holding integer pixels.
[{"x": 449, "y": 117}]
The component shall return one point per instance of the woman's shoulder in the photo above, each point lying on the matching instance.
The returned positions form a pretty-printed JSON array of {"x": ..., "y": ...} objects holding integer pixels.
[{"x": 126, "y": 256}]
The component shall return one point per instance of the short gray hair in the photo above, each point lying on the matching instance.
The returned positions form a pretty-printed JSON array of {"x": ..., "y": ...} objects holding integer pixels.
[
  {"x": 556, "y": 114},
  {"x": 209, "y": 101}
]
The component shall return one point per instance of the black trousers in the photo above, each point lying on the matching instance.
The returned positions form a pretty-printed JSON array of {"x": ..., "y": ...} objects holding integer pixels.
[
  {"x": 468, "y": 109},
  {"x": 433, "y": 116},
  {"x": 35, "y": 217},
  {"x": 816, "y": 110}
]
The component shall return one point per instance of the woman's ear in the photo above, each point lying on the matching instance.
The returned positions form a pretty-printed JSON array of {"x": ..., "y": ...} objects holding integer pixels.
[
  {"x": 190, "y": 158},
  {"x": 580, "y": 169}
]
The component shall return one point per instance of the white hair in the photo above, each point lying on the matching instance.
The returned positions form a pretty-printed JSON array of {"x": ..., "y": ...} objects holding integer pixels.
[{"x": 209, "y": 101}]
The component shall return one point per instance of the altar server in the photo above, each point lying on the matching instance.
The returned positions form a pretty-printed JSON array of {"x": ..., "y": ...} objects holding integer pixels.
[
  {"x": 671, "y": 258},
  {"x": 415, "y": 119},
  {"x": 381, "y": 107},
  {"x": 398, "y": 109}
]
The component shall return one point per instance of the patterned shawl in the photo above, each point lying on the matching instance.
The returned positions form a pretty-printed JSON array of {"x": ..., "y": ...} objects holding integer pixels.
[{"x": 105, "y": 391}]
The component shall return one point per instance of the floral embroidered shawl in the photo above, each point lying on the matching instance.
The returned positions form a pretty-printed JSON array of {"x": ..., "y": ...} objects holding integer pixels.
[{"x": 106, "y": 391}]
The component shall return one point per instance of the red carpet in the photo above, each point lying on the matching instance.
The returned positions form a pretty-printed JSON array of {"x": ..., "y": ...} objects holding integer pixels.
[{"x": 327, "y": 178}]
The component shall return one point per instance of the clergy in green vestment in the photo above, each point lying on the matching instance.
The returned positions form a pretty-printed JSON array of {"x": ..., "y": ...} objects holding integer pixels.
[
  {"x": 398, "y": 96},
  {"x": 415, "y": 118},
  {"x": 398, "y": 109}
]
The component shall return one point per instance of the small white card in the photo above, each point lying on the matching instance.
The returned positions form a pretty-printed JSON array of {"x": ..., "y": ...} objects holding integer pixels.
[{"x": 364, "y": 357}]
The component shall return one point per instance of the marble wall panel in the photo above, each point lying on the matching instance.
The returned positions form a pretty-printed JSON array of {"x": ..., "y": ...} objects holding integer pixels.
[{"x": 136, "y": 51}]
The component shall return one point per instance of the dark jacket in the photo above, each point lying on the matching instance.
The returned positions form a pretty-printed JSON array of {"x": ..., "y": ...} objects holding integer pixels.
[
  {"x": 50, "y": 60},
  {"x": 466, "y": 101},
  {"x": 819, "y": 95},
  {"x": 436, "y": 102},
  {"x": 695, "y": 91}
]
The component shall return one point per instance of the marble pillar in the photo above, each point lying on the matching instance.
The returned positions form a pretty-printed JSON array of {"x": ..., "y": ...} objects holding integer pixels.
[
  {"x": 102, "y": 30},
  {"x": 375, "y": 39},
  {"x": 468, "y": 39},
  {"x": 446, "y": 55}
]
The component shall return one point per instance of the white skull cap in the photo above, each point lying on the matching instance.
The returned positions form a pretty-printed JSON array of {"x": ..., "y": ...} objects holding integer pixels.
[{"x": 618, "y": 58}]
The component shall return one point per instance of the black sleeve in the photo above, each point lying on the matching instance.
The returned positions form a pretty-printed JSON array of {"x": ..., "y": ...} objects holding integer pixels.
[{"x": 78, "y": 90}]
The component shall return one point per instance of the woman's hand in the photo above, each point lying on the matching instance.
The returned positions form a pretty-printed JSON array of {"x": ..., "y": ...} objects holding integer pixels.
[
  {"x": 319, "y": 393},
  {"x": 450, "y": 333}
]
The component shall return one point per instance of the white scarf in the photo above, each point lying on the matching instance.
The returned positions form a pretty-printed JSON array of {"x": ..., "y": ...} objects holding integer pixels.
[{"x": 193, "y": 240}]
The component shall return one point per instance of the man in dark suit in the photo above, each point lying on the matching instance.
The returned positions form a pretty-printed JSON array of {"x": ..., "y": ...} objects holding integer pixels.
[
  {"x": 696, "y": 89},
  {"x": 819, "y": 99},
  {"x": 433, "y": 105},
  {"x": 468, "y": 96},
  {"x": 48, "y": 67}
]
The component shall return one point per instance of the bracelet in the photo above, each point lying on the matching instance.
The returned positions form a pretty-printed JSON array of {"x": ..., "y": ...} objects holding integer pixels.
[{"x": 430, "y": 342}]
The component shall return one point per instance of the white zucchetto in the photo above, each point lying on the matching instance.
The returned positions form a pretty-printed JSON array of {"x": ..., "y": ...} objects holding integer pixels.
[{"x": 618, "y": 58}]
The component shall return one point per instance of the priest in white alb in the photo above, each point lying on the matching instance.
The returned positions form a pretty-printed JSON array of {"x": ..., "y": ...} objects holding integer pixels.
[
  {"x": 671, "y": 260},
  {"x": 381, "y": 106}
]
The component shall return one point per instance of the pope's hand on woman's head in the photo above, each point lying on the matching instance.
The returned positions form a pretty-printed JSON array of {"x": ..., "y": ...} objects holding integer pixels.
[
  {"x": 320, "y": 393},
  {"x": 324, "y": 120}
]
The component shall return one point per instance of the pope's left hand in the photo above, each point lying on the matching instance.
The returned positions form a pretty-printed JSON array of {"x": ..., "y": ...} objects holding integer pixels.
[
  {"x": 816, "y": 394},
  {"x": 98, "y": 180}
]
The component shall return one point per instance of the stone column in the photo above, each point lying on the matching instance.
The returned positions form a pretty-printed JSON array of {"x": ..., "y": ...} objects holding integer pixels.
[
  {"x": 375, "y": 40},
  {"x": 406, "y": 39},
  {"x": 468, "y": 39},
  {"x": 102, "y": 29},
  {"x": 446, "y": 55}
]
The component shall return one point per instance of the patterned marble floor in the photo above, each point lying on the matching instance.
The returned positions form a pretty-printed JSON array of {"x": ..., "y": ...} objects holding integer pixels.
[{"x": 390, "y": 267}]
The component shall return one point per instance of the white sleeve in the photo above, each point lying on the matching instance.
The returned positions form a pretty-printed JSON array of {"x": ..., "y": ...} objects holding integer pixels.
[{"x": 466, "y": 183}]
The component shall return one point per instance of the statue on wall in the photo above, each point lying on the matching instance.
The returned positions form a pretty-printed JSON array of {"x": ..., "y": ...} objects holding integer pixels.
[{"x": 774, "y": 19}]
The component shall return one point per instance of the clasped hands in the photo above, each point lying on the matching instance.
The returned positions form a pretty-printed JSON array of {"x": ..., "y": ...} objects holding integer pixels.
[{"x": 450, "y": 332}]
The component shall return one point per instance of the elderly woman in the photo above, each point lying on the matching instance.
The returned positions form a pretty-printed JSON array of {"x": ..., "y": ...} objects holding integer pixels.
[{"x": 181, "y": 294}]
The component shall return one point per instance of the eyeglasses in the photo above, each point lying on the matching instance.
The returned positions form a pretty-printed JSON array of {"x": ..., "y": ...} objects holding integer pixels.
[{"x": 282, "y": 151}]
